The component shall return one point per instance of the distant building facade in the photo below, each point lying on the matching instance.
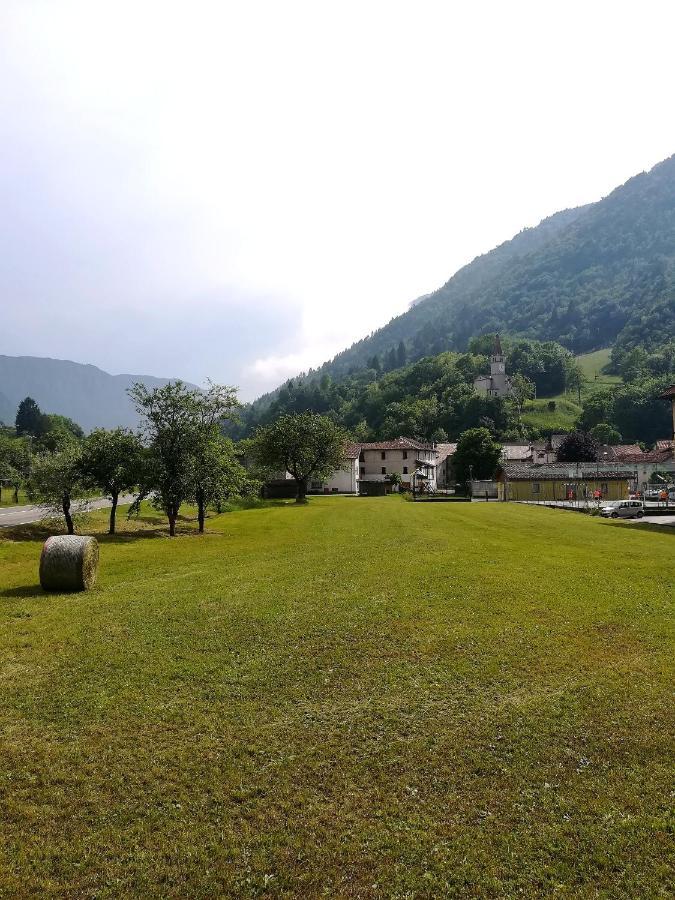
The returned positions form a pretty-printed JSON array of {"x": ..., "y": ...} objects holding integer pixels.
[
  {"x": 563, "y": 481},
  {"x": 412, "y": 460},
  {"x": 497, "y": 383}
]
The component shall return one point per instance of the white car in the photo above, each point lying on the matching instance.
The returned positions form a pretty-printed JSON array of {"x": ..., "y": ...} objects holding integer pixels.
[{"x": 623, "y": 509}]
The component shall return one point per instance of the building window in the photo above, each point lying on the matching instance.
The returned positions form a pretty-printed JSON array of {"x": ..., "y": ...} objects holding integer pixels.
[
  {"x": 405, "y": 454},
  {"x": 363, "y": 471},
  {"x": 405, "y": 470},
  {"x": 317, "y": 485},
  {"x": 384, "y": 470},
  {"x": 383, "y": 455},
  {"x": 334, "y": 490},
  {"x": 535, "y": 487}
]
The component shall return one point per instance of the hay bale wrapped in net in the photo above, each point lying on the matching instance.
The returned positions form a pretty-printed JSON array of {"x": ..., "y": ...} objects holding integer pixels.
[{"x": 69, "y": 563}]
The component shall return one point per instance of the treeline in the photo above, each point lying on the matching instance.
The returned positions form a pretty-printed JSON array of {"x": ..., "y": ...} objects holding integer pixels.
[
  {"x": 432, "y": 399},
  {"x": 634, "y": 411},
  {"x": 180, "y": 456}
]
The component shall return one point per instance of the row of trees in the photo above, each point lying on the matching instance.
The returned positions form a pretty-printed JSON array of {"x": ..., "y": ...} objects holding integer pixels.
[{"x": 179, "y": 456}]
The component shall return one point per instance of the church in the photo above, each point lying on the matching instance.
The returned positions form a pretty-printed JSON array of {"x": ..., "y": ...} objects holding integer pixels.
[{"x": 497, "y": 383}]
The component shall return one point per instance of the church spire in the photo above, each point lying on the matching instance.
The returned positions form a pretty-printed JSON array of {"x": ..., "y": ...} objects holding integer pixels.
[{"x": 497, "y": 349}]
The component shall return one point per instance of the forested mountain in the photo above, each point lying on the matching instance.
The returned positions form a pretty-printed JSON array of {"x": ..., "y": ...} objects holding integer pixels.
[
  {"x": 590, "y": 277},
  {"x": 86, "y": 394}
]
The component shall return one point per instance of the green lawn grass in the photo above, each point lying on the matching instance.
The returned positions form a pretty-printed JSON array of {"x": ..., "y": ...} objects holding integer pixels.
[
  {"x": 8, "y": 497},
  {"x": 354, "y": 698}
]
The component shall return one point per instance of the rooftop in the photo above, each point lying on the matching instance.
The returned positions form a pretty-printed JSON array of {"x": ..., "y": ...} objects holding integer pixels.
[
  {"x": 445, "y": 450},
  {"x": 553, "y": 471},
  {"x": 621, "y": 451},
  {"x": 649, "y": 456},
  {"x": 516, "y": 452},
  {"x": 400, "y": 443}
]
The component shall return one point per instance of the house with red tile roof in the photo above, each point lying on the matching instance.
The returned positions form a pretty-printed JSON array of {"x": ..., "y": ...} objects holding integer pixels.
[{"x": 409, "y": 458}]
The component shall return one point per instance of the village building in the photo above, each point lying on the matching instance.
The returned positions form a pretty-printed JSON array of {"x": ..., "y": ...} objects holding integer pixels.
[
  {"x": 344, "y": 480},
  {"x": 497, "y": 383},
  {"x": 649, "y": 463},
  {"x": 520, "y": 452},
  {"x": 413, "y": 460},
  {"x": 563, "y": 481},
  {"x": 445, "y": 472}
]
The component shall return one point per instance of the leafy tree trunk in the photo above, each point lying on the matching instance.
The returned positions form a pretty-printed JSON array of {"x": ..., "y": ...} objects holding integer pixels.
[
  {"x": 65, "y": 506},
  {"x": 172, "y": 515},
  {"x": 201, "y": 510},
  {"x": 113, "y": 512},
  {"x": 302, "y": 490},
  {"x": 16, "y": 493}
]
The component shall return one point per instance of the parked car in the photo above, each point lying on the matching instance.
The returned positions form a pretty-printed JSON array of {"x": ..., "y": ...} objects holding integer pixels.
[
  {"x": 652, "y": 493},
  {"x": 623, "y": 509}
]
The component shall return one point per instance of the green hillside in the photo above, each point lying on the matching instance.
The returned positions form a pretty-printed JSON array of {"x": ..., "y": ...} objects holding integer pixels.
[
  {"x": 594, "y": 276},
  {"x": 538, "y": 414},
  {"x": 594, "y": 365}
]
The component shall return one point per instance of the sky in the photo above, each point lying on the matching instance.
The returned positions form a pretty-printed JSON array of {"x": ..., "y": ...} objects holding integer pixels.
[{"x": 237, "y": 191}]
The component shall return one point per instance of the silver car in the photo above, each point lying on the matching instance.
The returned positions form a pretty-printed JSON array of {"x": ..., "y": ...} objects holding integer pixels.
[{"x": 623, "y": 509}]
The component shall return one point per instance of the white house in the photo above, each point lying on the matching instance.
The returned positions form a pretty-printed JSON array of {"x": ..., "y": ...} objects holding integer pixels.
[{"x": 344, "y": 480}]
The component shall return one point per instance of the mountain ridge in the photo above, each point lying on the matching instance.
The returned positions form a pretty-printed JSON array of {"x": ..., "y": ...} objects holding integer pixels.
[
  {"x": 582, "y": 277},
  {"x": 84, "y": 392}
]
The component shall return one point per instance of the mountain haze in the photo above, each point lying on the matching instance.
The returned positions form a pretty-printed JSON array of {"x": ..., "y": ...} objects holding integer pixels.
[{"x": 84, "y": 393}]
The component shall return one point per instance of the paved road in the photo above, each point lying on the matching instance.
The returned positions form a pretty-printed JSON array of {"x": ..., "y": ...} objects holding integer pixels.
[
  {"x": 24, "y": 515},
  {"x": 653, "y": 520}
]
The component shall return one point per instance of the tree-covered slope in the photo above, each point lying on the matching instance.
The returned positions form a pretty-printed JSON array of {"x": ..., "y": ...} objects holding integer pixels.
[{"x": 590, "y": 277}]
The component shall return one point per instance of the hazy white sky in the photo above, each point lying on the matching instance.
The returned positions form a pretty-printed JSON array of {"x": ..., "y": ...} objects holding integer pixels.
[{"x": 239, "y": 190}]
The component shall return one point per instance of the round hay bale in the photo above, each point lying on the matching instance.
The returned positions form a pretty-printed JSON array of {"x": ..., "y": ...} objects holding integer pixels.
[{"x": 69, "y": 563}]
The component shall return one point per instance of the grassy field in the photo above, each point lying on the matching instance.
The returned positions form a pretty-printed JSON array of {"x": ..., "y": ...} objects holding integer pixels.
[
  {"x": 536, "y": 414},
  {"x": 8, "y": 497},
  {"x": 356, "y": 698},
  {"x": 592, "y": 365}
]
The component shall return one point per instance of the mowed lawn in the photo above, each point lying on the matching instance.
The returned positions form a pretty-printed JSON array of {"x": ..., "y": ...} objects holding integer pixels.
[{"x": 356, "y": 698}]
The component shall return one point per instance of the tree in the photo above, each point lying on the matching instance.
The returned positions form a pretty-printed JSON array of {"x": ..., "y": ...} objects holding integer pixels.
[
  {"x": 56, "y": 435},
  {"x": 30, "y": 419},
  {"x": 175, "y": 421},
  {"x": 395, "y": 479},
  {"x": 579, "y": 446},
  {"x": 575, "y": 379},
  {"x": 604, "y": 433},
  {"x": 56, "y": 480},
  {"x": 111, "y": 463},
  {"x": 217, "y": 474},
  {"x": 477, "y": 454},
  {"x": 305, "y": 445},
  {"x": 14, "y": 462},
  {"x": 401, "y": 355},
  {"x": 522, "y": 389}
]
